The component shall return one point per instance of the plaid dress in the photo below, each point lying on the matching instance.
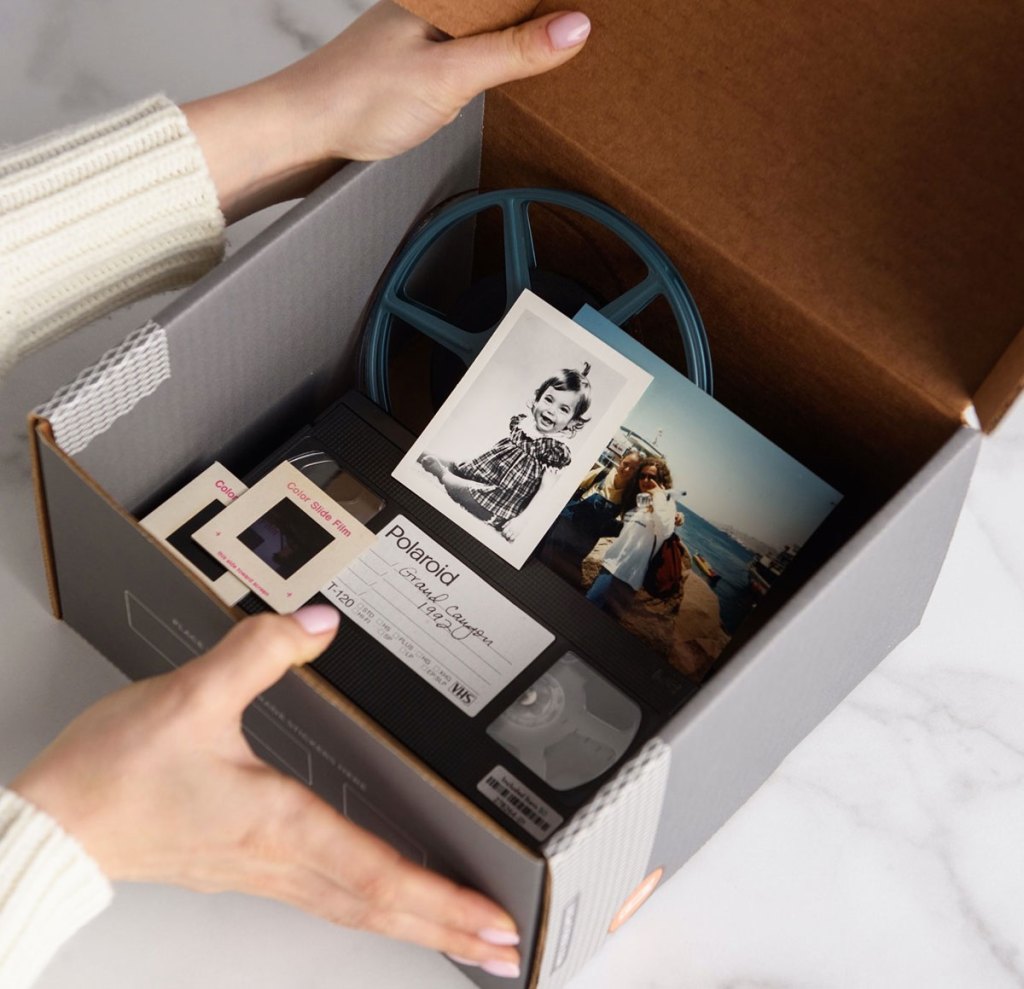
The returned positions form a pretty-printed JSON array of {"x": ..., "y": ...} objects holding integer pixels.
[{"x": 513, "y": 468}]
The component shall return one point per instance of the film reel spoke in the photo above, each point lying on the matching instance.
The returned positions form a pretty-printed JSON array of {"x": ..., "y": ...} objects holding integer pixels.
[
  {"x": 520, "y": 254},
  {"x": 634, "y": 300},
  {"x": 464, "y": 345}
]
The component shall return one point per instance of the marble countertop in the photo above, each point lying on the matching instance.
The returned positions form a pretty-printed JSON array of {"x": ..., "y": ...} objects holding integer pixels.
[{"x": 886, "y": 850}]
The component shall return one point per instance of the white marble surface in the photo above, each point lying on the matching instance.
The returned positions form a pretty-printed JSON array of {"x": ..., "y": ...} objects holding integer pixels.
[{"x": 886, "y": 851}]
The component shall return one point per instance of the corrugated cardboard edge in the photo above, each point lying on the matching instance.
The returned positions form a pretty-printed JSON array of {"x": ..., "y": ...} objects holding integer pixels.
[
  {"x": 543, "y": 923},
  {"x": 39, "y": 430},
  {"x": 1002, "y": 385}
]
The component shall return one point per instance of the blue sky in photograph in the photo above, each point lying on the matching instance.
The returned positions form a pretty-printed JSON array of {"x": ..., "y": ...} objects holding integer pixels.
[{"x": 732, "y": 475}]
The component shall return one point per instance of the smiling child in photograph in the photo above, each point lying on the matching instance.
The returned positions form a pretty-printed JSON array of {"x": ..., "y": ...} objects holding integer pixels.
[{"x": 500, "y": 483}]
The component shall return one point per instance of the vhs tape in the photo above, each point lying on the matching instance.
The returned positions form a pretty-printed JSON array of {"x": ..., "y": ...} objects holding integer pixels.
[{"x": 505, "y": 681}]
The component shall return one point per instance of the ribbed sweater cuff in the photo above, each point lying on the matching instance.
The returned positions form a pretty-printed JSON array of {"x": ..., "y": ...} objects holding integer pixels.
[
  {"x": 99, "y": 215},
  {"x": 49, "y": 888}
]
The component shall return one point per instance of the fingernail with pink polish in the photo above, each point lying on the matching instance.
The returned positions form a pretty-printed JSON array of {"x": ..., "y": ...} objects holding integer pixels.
[
  {"x": 318, "y": 618},
  {"x": 569, "y": 30},
  {"x": 504, "y": 970},
  {"x": 497, "y": 936}
]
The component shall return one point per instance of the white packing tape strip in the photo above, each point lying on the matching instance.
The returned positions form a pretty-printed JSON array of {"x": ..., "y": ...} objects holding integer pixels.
[{"x": 111, "y": 388}]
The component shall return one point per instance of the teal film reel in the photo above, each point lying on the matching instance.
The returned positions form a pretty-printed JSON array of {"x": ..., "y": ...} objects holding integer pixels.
[{"x": 395, "y": 305}]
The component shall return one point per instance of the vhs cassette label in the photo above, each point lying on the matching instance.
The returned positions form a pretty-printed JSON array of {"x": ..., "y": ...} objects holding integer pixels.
[
  {"x": 437, "y": 616},
  {"x": 520, "y": 803}
]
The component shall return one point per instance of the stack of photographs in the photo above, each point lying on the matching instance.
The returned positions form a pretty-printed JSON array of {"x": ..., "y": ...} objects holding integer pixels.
[{"x": 655, "y": 502}]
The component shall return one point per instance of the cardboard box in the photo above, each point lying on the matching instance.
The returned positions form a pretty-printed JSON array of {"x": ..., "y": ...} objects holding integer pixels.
[{"x": 835, "y": 185}]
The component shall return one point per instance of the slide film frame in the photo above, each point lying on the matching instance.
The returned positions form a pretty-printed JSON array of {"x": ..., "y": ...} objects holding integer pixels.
[
  {"x": 175, "y": 520},
  {"x": 285, "y": 539}
]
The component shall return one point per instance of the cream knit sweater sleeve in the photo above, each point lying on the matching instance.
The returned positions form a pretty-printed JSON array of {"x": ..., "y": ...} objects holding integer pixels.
[
  {"x": 90, "y": 218},
  {"x": 49, "y": 888},
  {"x": 98, "y": 215}
]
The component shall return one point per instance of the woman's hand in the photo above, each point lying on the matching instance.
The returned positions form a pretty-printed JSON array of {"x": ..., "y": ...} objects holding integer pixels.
[
  {"x": 381, "y": 87},
  {"x": 158, "y": 784},
  {"x": 656, "y": 491}
]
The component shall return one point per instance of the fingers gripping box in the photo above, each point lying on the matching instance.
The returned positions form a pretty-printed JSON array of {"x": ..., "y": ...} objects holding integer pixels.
[{"x": 834, "y": 281}]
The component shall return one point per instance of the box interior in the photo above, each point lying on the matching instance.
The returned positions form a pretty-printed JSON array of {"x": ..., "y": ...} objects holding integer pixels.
[
  {"x": 778, "y": 361},
  {"x": 837, "y": 182}
]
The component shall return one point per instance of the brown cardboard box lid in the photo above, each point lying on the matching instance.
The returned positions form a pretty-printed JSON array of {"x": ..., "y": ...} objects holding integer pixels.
[{"x": 862, "y": 160}]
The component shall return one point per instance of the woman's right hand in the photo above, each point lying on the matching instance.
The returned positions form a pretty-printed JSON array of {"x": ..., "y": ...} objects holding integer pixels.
[{"x": 158, "y": 784}]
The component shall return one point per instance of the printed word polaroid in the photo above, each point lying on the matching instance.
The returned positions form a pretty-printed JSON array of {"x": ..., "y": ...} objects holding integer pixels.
[
  {"x": 189, "y": 509},
  {"x": 446, "y": 624},
  {"x": 533, "y": 412},
  {"x": 285, "y": 539}
]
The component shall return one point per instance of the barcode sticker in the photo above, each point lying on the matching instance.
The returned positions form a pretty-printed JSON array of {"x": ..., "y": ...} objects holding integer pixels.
[{"x": 520, "y": 803}]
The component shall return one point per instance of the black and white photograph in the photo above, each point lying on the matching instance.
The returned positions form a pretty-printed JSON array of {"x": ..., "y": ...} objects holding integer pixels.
[{"x": 525, "y": 423}]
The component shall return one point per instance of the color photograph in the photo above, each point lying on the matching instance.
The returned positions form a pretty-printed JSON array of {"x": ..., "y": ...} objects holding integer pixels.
[{"x": 685, "y": 520}]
